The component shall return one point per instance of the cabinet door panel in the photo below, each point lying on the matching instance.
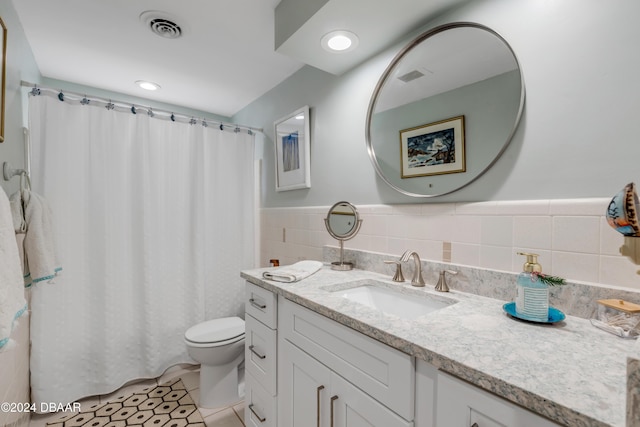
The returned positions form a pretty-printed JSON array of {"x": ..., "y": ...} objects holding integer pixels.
[
  {"x": 354, "y": 408},
  {"x": 460, "y": 404},
  {"x": 387, "y": 374},
  {"x": 304, "y": 389}
]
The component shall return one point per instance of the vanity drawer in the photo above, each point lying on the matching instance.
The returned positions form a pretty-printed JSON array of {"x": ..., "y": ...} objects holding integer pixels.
[
  {"x": 260, "y": 353},
  {"x": 260, "y": 406},
  {"x": 261, "y": 304},
  {"x": 386, "y": 374}
]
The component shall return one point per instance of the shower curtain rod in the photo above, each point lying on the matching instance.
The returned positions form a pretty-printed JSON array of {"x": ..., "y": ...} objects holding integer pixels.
[{"x": 134, "y": 108}]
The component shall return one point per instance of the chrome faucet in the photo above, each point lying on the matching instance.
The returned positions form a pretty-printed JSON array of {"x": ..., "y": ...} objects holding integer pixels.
[
  {"x": 442, "y": 282},
  {"x": 417, "y": 279}
]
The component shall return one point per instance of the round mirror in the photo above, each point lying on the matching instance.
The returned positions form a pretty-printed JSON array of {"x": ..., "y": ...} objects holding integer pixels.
[
  {"x": 343, "y": 223},
  {"x": 444, "y": 110}
]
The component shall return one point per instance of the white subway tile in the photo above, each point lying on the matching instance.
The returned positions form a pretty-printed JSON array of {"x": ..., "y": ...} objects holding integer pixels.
[
  {"x": 375, "y": 225},
  {"x": 466, "y": 229},
  {"x": 619, "y": 271},
  {"x": 438, "y": 209},
  {"x": 523, "y": 207},
  {"x": 438, "y": 228},
  {"x": 467, "y": 254},
  {"x": 576, "y": 266},
  {"x": 578, "y": 207},
  {"x": 495, "y": 257},
  {"x": 496, "y": 231},
  {"x": 610, "y": 240},
  {"x": 416, "y": 227},
  {"x": 477, "y": 208},
  {"x": 532, "y": 232},
  {"x": 576, "y": 234},
  {"x": 406, "y": 210}
]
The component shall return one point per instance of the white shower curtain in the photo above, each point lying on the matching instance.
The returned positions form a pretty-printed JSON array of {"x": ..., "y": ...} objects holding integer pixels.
[{"x": 154, "y": 221}]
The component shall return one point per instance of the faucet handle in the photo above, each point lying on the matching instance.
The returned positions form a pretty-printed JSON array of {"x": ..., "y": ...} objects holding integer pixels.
[
  {"x": 442, "y": 282},
  {"x": 398, "y": 277}
]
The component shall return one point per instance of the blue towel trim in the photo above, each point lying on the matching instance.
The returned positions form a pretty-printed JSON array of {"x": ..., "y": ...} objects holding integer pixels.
[
  {"x": 28, "y": 281},
  {"x": 18, "y": 314},
  {"x": 51, "y": 276}
]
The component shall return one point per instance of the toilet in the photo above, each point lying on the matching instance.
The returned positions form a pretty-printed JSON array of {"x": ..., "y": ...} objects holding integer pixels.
[{"x": 218, "y": 345}]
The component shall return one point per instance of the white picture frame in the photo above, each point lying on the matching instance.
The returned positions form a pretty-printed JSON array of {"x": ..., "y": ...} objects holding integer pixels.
[{"x": 293, "y": 150}]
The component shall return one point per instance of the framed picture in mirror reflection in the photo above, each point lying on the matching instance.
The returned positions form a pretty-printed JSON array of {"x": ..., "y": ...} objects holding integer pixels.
[{"x": 433, "y": 149}]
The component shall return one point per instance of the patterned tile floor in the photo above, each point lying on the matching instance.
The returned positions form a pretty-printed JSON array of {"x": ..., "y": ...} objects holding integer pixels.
[{"x": 232, "y": 416}]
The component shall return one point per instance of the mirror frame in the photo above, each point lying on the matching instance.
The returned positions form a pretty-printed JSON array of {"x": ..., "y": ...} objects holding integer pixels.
[
  {"x": 356, "y": 226},
  {"x": 383, "y": 78},
  {"x": 3, "y": 75},
  {"x": 300, "y": 178},
  {"x": 342, "y": 265}
]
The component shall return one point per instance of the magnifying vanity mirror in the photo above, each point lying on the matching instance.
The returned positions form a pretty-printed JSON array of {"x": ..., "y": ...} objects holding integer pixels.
[
  {"x": 444, "y": 110},
  {"x": 343, "y": 223}
]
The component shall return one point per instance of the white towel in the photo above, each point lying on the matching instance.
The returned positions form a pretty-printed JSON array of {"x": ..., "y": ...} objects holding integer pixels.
[
  {"x": 12, "y": 301},
  {"x": 40, "y": 261},
  {"x": 294, "y": 272}
]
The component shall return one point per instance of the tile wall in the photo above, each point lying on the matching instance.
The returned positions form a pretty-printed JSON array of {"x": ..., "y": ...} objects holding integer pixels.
[{"x": 572, "y": 236}]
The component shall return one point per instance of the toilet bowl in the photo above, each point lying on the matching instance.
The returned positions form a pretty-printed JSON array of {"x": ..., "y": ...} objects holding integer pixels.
[{"x": 218, "y": 345}]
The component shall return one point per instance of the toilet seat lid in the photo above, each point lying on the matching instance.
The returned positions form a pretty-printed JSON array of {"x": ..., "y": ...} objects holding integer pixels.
[{"x": 216, "y": 330}]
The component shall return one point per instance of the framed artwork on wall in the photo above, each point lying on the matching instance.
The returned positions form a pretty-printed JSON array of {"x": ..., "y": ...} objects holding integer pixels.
[
  {"x": 433, "y": 149},
  {"x": 293, "y": 160},
  {"x": 3, "y": 71}
]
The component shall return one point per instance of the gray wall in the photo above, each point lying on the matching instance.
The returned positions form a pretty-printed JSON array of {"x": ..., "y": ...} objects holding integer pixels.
[
  {"x": 20, "y": 65},
  {"x": 577, "y": 138}
]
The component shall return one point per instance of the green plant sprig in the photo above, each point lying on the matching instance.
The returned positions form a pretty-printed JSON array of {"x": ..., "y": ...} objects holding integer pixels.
[{"x": 549, "y": 280}]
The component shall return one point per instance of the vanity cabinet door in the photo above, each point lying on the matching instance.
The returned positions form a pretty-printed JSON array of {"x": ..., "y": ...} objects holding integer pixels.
[
  {"x": 388, "y": 375},
  {"x": 460, "y": 404},
  {"x": 304, "y": 389},
  {"x": 351, "y": 407},
  {"x": 311, "y": 395}
]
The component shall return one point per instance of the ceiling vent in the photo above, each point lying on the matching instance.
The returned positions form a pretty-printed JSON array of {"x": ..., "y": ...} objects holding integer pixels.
[
  {"x": 411, "y": 75},
  {"x": 161, "y": 23}
]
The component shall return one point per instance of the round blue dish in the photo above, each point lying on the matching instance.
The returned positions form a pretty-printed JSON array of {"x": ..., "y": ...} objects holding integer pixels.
[{"x": 555, "y": 315}]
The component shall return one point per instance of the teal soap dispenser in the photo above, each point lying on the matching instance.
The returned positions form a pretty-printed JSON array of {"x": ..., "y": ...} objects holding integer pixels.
[{"x": 532, "y": 299}]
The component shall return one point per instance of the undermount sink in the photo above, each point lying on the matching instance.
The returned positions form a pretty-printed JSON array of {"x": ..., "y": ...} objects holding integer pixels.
[{"x": 407, "y": 306}]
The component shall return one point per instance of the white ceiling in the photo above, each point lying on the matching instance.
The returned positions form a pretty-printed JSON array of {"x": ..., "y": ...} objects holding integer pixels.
[{"x": 226, "y": 57}]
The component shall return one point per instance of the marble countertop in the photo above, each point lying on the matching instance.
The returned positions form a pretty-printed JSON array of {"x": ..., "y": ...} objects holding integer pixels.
[{"x": 570, "y": 372}]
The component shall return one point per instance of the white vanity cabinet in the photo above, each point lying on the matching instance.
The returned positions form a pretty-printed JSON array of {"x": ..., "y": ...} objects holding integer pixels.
[
  {"x": 322, "y": 371},
  {"x": 460, "y": 404},
  {"x": 261, "y": 312},
  {"x": 303, "y": 369}
]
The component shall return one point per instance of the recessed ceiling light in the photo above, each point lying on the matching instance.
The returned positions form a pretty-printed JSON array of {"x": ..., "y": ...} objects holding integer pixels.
[
  {"x": 148, "y": 85},
  {"x": 300, "y": 117},
  {"x": 339, "y": 41}
]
